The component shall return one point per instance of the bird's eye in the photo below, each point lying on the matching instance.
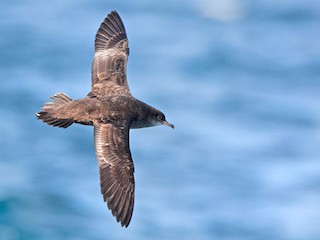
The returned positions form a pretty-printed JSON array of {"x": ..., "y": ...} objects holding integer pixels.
[{"x": 160, "y": 117}]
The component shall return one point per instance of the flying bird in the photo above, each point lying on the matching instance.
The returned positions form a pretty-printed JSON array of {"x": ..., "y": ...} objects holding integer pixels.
[{"x": 112, "y": 111}]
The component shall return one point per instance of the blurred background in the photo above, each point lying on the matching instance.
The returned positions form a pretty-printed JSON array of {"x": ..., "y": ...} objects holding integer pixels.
[{"x": 238, "y": 79}]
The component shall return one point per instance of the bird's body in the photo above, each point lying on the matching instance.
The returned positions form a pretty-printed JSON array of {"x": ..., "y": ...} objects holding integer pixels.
[
  {"x": 98, "y": 110},
  {"x": 112, "y": 111}
]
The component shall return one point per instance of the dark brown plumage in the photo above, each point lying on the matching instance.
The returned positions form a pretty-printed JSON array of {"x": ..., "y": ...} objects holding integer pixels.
[{"x": 112, "y": 111}]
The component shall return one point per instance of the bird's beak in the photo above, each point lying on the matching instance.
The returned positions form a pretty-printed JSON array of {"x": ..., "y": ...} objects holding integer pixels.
[{"x": 168, "y": 124}]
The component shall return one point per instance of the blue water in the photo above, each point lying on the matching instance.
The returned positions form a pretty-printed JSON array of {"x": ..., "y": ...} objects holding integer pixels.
[{"x": 239, "y": 79}]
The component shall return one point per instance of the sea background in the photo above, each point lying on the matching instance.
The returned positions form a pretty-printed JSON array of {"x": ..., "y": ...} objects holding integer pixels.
[{"x": 239, "y": 79}]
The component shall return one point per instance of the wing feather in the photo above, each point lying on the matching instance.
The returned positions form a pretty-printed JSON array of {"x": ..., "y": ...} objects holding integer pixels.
[
  {"x": 116, "y": 170},
  {"x": 109, "y": 64}
]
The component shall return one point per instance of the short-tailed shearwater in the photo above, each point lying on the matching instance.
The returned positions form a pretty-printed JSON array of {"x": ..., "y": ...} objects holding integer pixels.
[{"x": 112, "y": 111}]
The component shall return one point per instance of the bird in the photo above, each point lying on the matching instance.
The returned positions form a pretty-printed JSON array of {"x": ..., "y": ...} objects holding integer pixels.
[{"x": 112, "y": 111}]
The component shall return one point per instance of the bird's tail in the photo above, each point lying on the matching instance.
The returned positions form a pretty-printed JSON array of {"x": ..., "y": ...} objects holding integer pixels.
[{"x": 50, "y": 112}]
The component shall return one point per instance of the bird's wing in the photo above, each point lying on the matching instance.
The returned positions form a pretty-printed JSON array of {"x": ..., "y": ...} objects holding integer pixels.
[
  {"x": 116, "y": 169},
  {"x": 109, "y": 64}
]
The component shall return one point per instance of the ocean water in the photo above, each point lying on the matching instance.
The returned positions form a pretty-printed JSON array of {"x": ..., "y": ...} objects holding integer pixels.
[{"x": 239, "y": 79}]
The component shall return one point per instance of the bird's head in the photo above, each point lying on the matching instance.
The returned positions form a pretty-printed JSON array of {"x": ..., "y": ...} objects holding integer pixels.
[
  {"x": 159, "y": 118},
  {"x": 151, "y": 117}
]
